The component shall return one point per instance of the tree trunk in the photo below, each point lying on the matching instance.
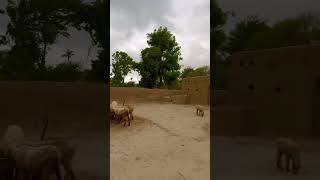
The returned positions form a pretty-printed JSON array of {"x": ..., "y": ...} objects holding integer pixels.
[
  {"x": 42, "y": 63},
  {"x": 44, "y": 130},
  {"x": 160, "y": 78}
]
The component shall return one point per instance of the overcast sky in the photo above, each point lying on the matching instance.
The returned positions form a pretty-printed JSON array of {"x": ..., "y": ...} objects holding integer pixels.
[
  {"x": 274, "y": 10},
  {"x": 79, "y": 42},
  {"x": 188, "y": 20}
]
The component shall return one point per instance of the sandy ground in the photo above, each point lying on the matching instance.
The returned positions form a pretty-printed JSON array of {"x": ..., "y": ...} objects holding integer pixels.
[
  {"x": 252, "y": 159},
  {"x": 90, "y": 161},
  {"x": 164, "y": 141}
]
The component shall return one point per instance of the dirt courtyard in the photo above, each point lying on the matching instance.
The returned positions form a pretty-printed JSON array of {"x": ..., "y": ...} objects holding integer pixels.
[
  {"x": 254, "y": 158},
  {"x": 164, "y": 141}
]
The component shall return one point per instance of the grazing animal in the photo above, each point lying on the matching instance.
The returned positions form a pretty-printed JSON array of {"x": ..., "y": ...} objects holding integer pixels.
[
  {"x": 38, "y": 162},
  {"x": 67, "y": 152},
  {"x": 122, "y": 113},
  {"x": 131, "y": 108},
  {"x": 200, "y": 110},
  {"x": 113, "y": 105},
  {"x": 291, "y": 150},
  {"x": 13, "y": 136}
]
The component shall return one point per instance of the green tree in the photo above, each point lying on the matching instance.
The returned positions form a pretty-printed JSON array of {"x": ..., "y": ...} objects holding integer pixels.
[
  {"x": 186, "y": 72},
  {"x": 200, "y": 71},
  {"x": 218, "y": 38},
  {"x": 50, "y": 19},
  {"x": 292, "y": 31},
  {"x": 122, "y": 64},
  {"x": 34, "y": 26},
  {"x": 68, "y": 54},
  {"x": 25, "y": 52},
  {"x": 218, "y": 20},
  {"x": 160, "y": 61},
  {"x": 67, "y": 71},
  {"x": 92, "y": 17},
  {"x": 244, "y": 30}
]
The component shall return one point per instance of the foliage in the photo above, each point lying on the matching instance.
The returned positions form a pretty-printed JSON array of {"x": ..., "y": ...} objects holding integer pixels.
[
  {"x": 292, "y": 31},
  {"x": 200, "y": 71},
  {"x": 244, "y": 30},
  {"x": 68, "y": 54},
  {"x": 218, "y": 19},
  {"x": 160, "y": 61},
  {"x": 122, "y": 64},
  {"x": 92, "y": 17},
  {"x": 67, "y": 71},
  {"x": 130, "y": 84},
  {"x": 39, "y": 21}
]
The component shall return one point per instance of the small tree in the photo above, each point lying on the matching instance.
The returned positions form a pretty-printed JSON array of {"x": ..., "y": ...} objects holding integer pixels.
[
  {"x": 122, "y": 64},
  {"x": 68, "y": 54}
]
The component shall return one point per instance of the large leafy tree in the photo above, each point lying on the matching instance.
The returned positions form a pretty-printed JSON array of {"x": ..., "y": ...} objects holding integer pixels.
[
  {"x": 292, "y": 31},
  {"x": 244, "y": 30},
  {"x": 25, "y": 52},
  {"x": 163, "y": 55},
  {"x": 218, "y": 20},
  {"x": 34, "y": 26},
  {"x": 218, "y": 38},
  {"x": 50, "y": 20},
  {"x": 92, "y": 17},
  {"x": 148, "y": 67},
  {"x": 122, "y": 64}
]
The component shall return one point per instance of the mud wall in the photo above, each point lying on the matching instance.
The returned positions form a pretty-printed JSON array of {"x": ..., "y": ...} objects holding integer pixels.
[
  {"x": 198, "y": 88},
  {"x": 268, "y": 81},
  {"x": 133, "y": 95},
  {"x": 26, "y": 103}
]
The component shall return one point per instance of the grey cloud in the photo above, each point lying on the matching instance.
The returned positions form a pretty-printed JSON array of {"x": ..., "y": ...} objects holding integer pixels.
[
  {"x": 79, "y": 42},
  {"x": 138, "y": 14},
  {"x": 273, "y": 10},
  {"x": 188, "y": 20}
]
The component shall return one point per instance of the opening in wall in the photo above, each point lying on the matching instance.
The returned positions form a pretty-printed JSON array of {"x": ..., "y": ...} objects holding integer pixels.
[
  {"x": 251, "y": 63},
  {"x": 251, "y": 87},
  {"x": 241, "y": 63}
]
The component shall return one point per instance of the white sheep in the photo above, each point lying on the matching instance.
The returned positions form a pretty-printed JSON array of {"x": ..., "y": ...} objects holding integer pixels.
[
  {"x": 131, "y": 108},
  {"x": 13, "y": 136},
  {"x": 67, "y": 151},
  {"x": 200, "y": 110},
  {"x": 113, "y": 104},
  {"x": 291, "y": 150},
  {"x": 122, "y": 113},
  {"x": 40, "y": 161}
]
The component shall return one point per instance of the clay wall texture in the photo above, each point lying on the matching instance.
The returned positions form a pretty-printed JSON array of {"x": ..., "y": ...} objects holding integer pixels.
[
  {"x": 198, "y": 88},
  {"x": 282, "y": 85}
]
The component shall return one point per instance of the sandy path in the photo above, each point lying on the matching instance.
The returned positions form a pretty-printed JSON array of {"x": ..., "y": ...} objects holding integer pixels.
[
  {"x": 254, "y": 159},
  {"x": 165, "y": 141}
]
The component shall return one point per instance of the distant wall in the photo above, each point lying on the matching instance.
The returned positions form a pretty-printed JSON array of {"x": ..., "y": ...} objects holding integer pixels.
[
  {"x": 198, "y": 88},
  {"x": 132, "y": 94},
  {"x": 25, "y": 103}
]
